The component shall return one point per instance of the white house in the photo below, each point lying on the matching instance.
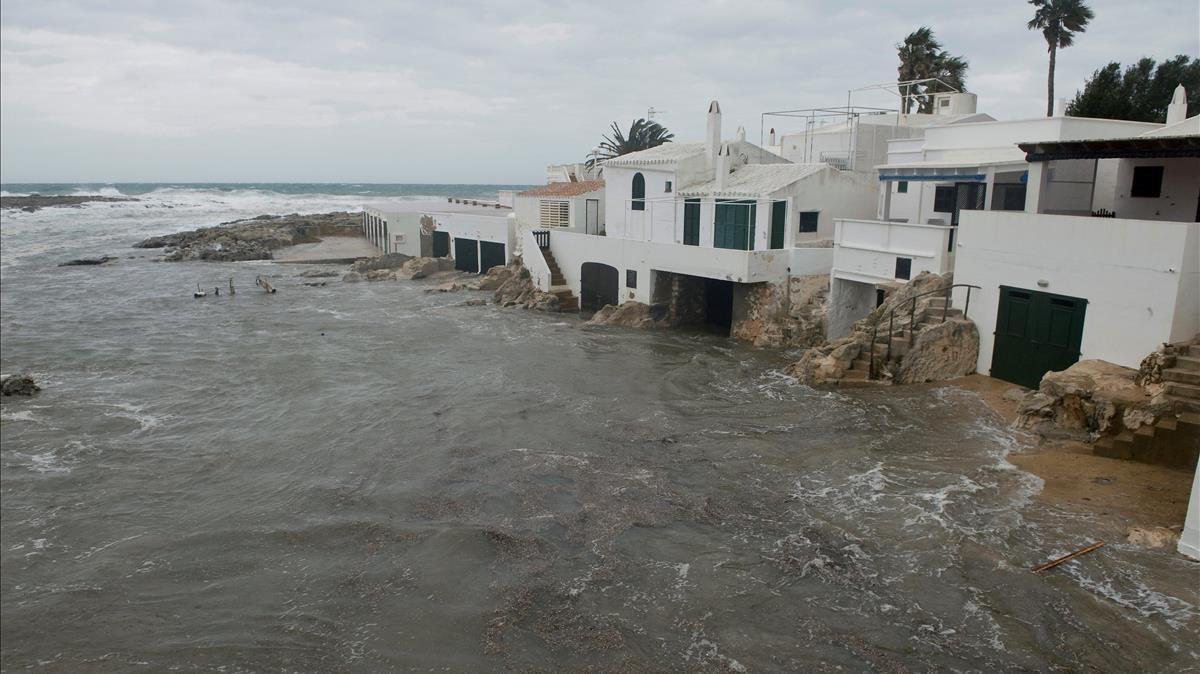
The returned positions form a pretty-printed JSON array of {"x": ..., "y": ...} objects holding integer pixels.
[
  {"x": 577, "y": 206},
  {"x": 856, "y": 139},
  {"x": 722, "y": 213},
  {"x": 929, "y": 182}
]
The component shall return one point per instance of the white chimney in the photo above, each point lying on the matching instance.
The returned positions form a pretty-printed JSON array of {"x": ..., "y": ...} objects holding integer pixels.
[
  {"x": 771, "y": 138},
  {"x": 1177, "y": 110},
  {"x": 1060, "y": 107},
  {"x": 712, "y": 141},
  {"x": 741, "y": 133},
  {"x": 721, "y": 167}
]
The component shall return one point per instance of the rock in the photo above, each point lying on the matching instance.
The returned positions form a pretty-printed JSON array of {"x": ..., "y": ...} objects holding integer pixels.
[
  {"x": 89, "y": 261},
  {"x": 352, "y": 277},
  {"x": 391, "y": 261},
  {"x": 1015, "y": 394},
  {"x": 319, "y": 273},
  {"x": 494, "y": 278},
  {"x": 829, "y": 363},
  {"x": 35, "y": 202},
  {"x": 315, "y": 284},
  {"x": 421, "y": 267},
  {"x": 18, "y": 385},
  {"x": 943, "y": 351},
  {"x": 253, "y": 239},
  {"x": 1089, "y": 399},
  {"x": 783, "y": 315},
  {"x": 1153, "y": 537},
  {"x": 518, "y": 291},
  {"x": 631, "y": 315},
  {"x": 474, "y": 303}
]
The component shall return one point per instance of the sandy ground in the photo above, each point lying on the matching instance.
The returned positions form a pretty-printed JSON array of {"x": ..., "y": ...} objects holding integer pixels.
[
  {"x": 1119, "y": 494},
  {"x": 333, "y": 248}
]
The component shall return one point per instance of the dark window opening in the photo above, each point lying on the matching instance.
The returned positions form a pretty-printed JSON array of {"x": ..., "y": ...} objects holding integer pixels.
[
  {"x": 639, "y": 192},
  {"x": 691, "y": 222},
  {"x": 902, "y": 187},
  {"x": 668, "y": 187},
  {"x": 880, "y": 296},
  {"x": 630, "y": 278},
  {"x": 1147, "y": 182},
  {"x": 944, "y": 198},
  {"x": 904, "y": 268},
  {"x": 808, "y": 221}
]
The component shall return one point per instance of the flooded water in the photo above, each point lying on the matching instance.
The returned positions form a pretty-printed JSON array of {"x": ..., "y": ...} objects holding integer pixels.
[{"x": 370, "y": 477}]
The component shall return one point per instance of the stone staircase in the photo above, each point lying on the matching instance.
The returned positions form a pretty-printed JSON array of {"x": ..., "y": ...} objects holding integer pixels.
[
  {"x": 930, "y": 312},
  {"x": 1175, "y": 439},
  {"x": 567, "y": 301}
]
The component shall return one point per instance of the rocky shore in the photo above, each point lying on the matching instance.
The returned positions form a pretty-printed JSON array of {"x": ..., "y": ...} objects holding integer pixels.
[
  {"x": 18, "y": 385},
  {"x": 253, "y": 239},
  {"x": 36, "y": 202}
]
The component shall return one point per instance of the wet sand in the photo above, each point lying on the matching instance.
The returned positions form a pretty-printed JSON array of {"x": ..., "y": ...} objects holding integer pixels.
[{"x": 1119, "y": 494}]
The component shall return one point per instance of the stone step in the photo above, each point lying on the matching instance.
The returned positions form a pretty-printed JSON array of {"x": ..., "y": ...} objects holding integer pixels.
[
  {"x": 1182, "y": 376},
  {"x": 855, "y": 374},
  {"x": 1192, "y": 350},
  {"x": 1189, "y": 363},
  {"x": 861, "y": 364},
  {"x": 1185, "y": 405},
  {"x": 936, "y": 301},
  {"x": 1182, "y": 390}
]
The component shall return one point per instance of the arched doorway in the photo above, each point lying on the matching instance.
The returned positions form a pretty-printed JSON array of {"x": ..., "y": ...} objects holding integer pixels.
[{"x": 598, "y": 285}]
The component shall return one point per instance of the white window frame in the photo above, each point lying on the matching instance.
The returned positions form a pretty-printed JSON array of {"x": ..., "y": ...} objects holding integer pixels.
[{"x": 554, "y": 213}]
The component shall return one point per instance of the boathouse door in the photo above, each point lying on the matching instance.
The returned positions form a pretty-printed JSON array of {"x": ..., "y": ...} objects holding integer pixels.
[
  {"x": 441, "y": 244},
  {"x": 491, "y": 254},
  {"x": 466, "y": 255},
  {"x": 598, "y": 286},
  {"x": 1036, "y": 333}
]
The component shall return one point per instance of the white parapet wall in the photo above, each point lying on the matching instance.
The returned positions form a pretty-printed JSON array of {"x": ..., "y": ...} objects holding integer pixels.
[
  {"x": 1189, "y": 540},
  {"x": 531, "y": 256},
  {"x": 392, "y": 231},
  {"x": 497, "y": 227},
  {"x": 1141, "y": 278},
  {"x": 866, "y": 250},
  {"x": 572, "y": 249}
]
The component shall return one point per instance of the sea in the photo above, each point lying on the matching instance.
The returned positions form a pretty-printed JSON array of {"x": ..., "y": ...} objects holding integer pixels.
[{"x": 371, "y": 477}]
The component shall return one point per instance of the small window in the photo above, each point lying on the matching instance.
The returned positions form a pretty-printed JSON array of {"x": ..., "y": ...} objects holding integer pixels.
[
  {"x": 1147, "y": 182},
  {"x": 638, "y": 192},
  {"x": 904, "y": 268},
  {"x": 668, "y": 187},
  {"x": 902, "y": 187},
  {"x": 630, "y": 278},
  {"x": 808, "y": 221},
  {"x": 555, "y": 213},
  {"x": 944, "y": 199}
]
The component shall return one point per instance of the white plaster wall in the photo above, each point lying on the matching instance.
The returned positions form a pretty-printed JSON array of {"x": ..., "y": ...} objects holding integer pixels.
[
  {"x": 1187, "y": 305},
  {"x": 1105, "y": 193},
  {"x": 572, "y": 249},
  {"x": 835, "y": 194},
  {"x": 1130, "y": 271},
  {"x": 532, "y": 257},
  {"x": 1189, "y": 539},
  {"x": 1009, "y": 133},
  {"x": 526, "y": 210},
  {"x": 618, "y": 191},
  {"x": 406, "y": 224},
  {"x": 1180, "y": 191},
  {"x": 498, "y": 228},
  {"x": 848, "y": 302},
  {"x": 810, "y": 261},
  {"x": 866, "y": 250}
]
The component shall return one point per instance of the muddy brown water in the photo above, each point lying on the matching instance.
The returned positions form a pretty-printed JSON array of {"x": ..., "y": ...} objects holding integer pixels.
[{"x": 370, "y": 477}]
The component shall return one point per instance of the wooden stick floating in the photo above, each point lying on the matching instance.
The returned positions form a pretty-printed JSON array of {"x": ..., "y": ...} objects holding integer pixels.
[{"x": 1066, "y": 558}]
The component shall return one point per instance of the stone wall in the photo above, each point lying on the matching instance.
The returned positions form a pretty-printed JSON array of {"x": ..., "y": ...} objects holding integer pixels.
[
  {"x": 781, "y": 315},
  {"x": 1090, "y": 399}
]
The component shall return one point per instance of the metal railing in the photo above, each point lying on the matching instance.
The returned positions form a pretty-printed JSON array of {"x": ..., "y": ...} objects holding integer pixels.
[
  {"x": 912, "y": 316},
  {"x": 542, "y": 236}
]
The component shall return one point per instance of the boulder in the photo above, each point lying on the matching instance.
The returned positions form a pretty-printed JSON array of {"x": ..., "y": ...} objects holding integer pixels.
[
  {"x": 631, "y": 315},
  {"x": 829, "y": 363},
  {"x": 1153, "y": 537},
  {"x": 518, "y": 290},
  {"x": 387, "y": 262},
  {"x": 940, "y": 352},
  {"x": 1089, "y": 399},
  {"x": 18, "y": 385},
  {"x": 420, "y": 267}
]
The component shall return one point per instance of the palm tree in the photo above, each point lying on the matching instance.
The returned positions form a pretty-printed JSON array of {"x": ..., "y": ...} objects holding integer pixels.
[
  {"x": 1059, "y": 21},
  {"x": 922, "y": 57},
  {"x": 643, "y": 135}
]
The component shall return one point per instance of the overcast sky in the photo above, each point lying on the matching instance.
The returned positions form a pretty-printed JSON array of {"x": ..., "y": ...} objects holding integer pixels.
[{"x": 487, "y": 92}]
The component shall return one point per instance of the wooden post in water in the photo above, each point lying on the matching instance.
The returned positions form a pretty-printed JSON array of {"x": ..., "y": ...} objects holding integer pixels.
[
  {"x": 231, "y": 290},
  {"x": 264, "y": 284}
]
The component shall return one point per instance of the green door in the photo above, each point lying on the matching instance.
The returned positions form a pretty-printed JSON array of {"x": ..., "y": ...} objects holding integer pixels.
[
  {"x": 778, "y": 223},
  {"x": 1036, "y": 333},
  {"x": 691, "y": 222},
  {"x": 733, "y": 224}
]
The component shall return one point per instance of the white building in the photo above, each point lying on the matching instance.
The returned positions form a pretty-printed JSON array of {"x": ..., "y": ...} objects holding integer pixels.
[
  {"x": 576, "y": 206},
  {"x": 722, "y": 212},
  {"x": 929, "y": 182},
  {"x": 856, "y": 138}
]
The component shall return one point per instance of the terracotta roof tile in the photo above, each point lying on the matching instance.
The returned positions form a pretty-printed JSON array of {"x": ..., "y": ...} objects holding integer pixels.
[{"x": 564, "y": 189}]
